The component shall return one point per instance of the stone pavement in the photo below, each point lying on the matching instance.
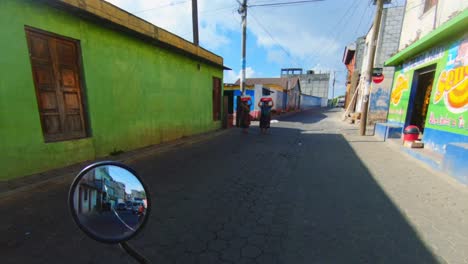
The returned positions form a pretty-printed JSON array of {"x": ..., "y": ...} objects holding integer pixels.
[{"x": 310, "y": 192}]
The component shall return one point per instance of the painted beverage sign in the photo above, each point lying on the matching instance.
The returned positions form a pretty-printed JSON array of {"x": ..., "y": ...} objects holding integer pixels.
[
  {"x": 449, "y": 110},
  {"x": 400, "y": 87},
  {"x": 399, "y": 98}
]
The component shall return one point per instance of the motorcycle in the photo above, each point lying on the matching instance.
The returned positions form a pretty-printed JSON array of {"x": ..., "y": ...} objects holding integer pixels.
[{"x": 93, "y": 198}]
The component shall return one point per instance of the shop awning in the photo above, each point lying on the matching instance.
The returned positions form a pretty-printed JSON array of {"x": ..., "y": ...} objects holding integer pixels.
[{"x": 454, "y": 26}]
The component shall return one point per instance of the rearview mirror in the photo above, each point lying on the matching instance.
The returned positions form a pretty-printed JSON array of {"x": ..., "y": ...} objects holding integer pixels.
[{"x": 109, "y": 202}]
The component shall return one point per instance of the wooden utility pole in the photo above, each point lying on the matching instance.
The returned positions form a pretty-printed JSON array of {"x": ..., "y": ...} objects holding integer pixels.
[
  {"x": 195, "y": 22},
  {"x": 370, "y": 65},
  {"x": 243, "y": 12},
  {"x": 333, "y": 87}
]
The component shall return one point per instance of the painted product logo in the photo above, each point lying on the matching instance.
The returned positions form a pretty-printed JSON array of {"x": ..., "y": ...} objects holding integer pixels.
[
  {"x": 452, "y": 86},
  {"x": 400, "y": 87}
]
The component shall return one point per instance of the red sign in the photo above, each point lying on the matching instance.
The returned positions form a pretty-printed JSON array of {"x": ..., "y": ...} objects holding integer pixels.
[{"x": 378, "y": 79}]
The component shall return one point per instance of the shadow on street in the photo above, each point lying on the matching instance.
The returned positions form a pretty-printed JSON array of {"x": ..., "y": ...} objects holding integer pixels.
[{"x": 286, "y": 197}]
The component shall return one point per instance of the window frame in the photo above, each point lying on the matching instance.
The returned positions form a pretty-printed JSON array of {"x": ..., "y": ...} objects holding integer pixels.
[{"x": 50, "y": 138}]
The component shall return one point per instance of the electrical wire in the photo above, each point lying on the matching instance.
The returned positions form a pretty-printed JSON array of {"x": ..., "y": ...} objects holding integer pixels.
[
  {"x": 215, "y": 10},
  {"x": 272, "y": 38},
  {"x": 159, "y": 7},
  {"x": 360, "y": 20},
  {"x": 286, "y": 3},
  {"x": 334, "y": 29}
]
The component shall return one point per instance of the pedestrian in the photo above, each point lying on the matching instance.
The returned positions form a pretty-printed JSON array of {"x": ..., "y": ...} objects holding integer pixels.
[
  {"x": 265, "y": 105},
  {"x": 245, "y": 114},
  {"x": 141, "y": 213}
]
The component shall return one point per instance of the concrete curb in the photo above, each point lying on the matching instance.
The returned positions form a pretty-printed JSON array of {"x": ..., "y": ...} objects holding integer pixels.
[{"x": 68, "y": 173}]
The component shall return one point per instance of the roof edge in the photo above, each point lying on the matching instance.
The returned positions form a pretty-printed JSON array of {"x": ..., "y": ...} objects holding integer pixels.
[{"x": 112, "y": 14}]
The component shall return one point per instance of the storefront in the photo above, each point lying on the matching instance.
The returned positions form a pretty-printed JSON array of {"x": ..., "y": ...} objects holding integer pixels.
[{"x": 430, "y": 88}]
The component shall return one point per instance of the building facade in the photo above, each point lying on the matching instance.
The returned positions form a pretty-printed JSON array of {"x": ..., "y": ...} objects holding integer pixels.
[
  {"x": 423, "y": 16},
  {"x": 313, "y": 84},
  {"x": 430, "y": 88},
  {"x": 83, "y": 79},
  {"x": 386, "y": 46}
]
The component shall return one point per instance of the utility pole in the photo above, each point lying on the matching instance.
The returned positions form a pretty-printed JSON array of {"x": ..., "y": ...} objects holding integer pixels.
[
  {"x": 195, "y": 21},
  {"x": 333, "y": 86},
  {"x": 243, "y": 12},
  {"x": 370, "y": 66}
]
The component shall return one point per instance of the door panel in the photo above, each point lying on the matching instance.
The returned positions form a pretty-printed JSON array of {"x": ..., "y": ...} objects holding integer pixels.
[
  {"x": 48, "y": 101},
  {"x": 66, "y": 52},
  {"x": 52, "y": 124},
  {"x": 67, "y": 77},
  {"x": 39, "y": 47},
  {"x": 72, "y": 102},
  {"x": 44, "y": 75},
  {"x": 73, "y": 123}
]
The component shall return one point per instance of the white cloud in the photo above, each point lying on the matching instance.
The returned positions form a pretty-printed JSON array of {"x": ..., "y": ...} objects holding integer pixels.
[
  {"x": 215, "y": 18},
  {"x": 276, "y": 56},
  {"x": 293, "y": 33},
  {"x": 232, "y": 76},
  {"x": 300, "y": 39}
]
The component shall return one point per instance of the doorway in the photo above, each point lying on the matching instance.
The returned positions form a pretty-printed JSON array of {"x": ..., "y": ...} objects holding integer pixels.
[{"x": 420, "y": 96}]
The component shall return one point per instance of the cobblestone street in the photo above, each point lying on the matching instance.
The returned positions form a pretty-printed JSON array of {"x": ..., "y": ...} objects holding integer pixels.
[{"x": 311, "y": 191}]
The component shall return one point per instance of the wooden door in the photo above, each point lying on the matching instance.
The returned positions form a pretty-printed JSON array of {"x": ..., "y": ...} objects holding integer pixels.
[
  {"x": 216, "y": 99},
  {"x": 56, "y": 73}
]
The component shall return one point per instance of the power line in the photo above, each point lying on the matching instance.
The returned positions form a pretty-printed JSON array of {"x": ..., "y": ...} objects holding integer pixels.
[
  {"x": 179, "y": 3},
  {"x": 215, "y": 10},
  {"x": 333, "y": 29},
  {"x": 360, "y": 20},
  {"x": 286, "y": 3},
  {"x": 161, "y": 6},
  {"x": 272, "y": 38}
]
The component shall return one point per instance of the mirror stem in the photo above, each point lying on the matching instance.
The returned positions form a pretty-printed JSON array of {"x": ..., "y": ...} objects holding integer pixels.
[{"x": 132, "y": 252}]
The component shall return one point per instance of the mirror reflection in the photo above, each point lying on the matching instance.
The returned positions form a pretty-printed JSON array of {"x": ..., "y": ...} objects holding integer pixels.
[{"x": 110, "y": 202}]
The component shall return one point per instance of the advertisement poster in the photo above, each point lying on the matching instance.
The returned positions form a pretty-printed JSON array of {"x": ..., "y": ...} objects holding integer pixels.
[
  {"x": 399, "y": 97},
  {"x": 448, "y": 110}
]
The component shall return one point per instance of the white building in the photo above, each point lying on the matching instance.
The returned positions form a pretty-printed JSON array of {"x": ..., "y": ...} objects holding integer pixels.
[
  {"x": 387, "y": 45},
  {"x": 423, "y": 16},
  {"x": 312, "y": 83}
]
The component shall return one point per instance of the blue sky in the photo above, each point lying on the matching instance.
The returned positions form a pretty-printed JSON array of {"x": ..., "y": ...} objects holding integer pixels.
[
  {"x": 120, "y": 175},
  {"x": 308, "y": 36}
]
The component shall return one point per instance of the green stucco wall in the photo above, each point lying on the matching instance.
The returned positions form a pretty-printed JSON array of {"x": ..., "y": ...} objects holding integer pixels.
[{"x": 137, "y": 94}]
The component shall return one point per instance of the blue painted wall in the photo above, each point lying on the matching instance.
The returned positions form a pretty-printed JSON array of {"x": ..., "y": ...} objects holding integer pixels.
[
  {"x": 250, "y": 93},
  {"x": 438, "y": 140},
  {"x": 308, "y": 101},
  {"x": 455, "y": 161}
]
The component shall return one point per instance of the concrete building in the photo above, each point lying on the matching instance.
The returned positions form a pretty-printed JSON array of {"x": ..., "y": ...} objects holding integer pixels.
[
  {"x": 387, "y": 45},
  {"x": 136, "y": 194},
  {"x": 82, "y": 79},
  {"x": 87, "y": 195},
  {"x": 285, "y": 93},
  {"x": 352, "y": 59},
  {"x": 430, "y": 87},
  {"x": 119, "y": 190},
  {"x": 423, "y": 16},
  {"x": 313, "y": 84}
]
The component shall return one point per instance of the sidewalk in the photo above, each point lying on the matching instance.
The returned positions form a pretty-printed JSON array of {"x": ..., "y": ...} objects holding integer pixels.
[
  {"x": 67, "y": 174},
  {"x": 434, "y": 203}
]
